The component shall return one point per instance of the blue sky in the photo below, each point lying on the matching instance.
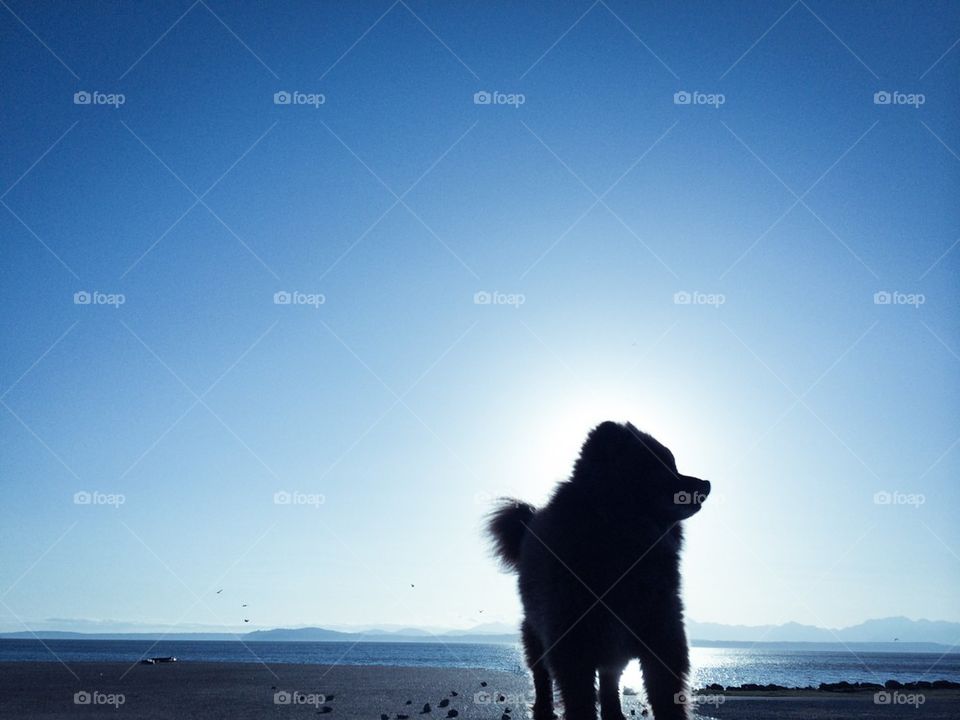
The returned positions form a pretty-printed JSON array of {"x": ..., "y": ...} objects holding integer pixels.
[{"x": 781, "y": 199}]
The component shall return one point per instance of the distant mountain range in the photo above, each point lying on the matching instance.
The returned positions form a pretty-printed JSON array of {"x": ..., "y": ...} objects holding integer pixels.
[
  {"x": 892, "y": 629},
  {"x": 894, "y": 633}
]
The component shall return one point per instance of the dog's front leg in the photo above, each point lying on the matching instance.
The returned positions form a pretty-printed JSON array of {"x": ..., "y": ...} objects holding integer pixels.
[{"x": 666, "y": 666}]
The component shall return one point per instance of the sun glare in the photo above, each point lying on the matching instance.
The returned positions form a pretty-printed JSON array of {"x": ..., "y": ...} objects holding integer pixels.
[{"x": 567, "y": 419}]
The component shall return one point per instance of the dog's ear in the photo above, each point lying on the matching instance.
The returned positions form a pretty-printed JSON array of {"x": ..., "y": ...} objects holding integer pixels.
[{"x": 602, "y": 443}]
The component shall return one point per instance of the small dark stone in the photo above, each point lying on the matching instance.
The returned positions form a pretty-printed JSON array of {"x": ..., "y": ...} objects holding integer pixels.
[
  {"x": 483, "y": 683},
  {"x": 426, "y": 708},
  {"x": 325, "y": 709},
  {"x": 409, "y": 702},
  {"x": 401, "y": 716},
  {"x": 451, "y": 713},
  {"x": 444, "y": 702},
  {"x": 384, "y": 716},
  {"x": 453, "y": 693},
  {"x": 501, "y": 698}
]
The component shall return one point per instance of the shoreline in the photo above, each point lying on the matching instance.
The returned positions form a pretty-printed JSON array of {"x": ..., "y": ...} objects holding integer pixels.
[
  {"x": 812, "y": 646},
  {"x": 188, "y": 690}
]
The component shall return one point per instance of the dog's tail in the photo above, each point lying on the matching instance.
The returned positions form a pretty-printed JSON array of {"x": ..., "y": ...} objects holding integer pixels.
[{"x": 507, "y": 526}]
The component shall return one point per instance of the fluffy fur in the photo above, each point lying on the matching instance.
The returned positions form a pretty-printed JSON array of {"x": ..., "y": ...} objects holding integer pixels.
[{"x": 599, "y": 575}]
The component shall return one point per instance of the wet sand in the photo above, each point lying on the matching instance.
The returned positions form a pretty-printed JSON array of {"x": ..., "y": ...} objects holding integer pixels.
[{"x": 195, "y": 690}]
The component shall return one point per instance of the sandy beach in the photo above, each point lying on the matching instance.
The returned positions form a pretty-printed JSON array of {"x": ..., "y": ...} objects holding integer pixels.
[{"x": 188, "y": 690}]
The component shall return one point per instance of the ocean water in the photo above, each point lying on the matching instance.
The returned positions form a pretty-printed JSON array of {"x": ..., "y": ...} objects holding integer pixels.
[{"x": 726, "y": 666}]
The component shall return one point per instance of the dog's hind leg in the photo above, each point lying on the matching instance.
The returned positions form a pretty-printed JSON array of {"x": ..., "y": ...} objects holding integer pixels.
[
  {"x": 542, "y": 683},
  {"x": 577, "y": 687},
  {"x": 610, "y": 694},
  {"x": 666, "y": 665}
]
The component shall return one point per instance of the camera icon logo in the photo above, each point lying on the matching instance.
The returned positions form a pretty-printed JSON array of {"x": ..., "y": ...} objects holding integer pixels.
[
  {"x": 282, "y": 697},
  {"x": 82, "y": 98},
  {"x": 682, "y": 498},
  {"x": 882, "y": 97},
  {"x": 82, "y": 698},
  {"x": 282, "y": 297},
  {"x": 682, "y": 298},
  {"x": 282, "y": 497},
  {"x": 482, "y": 97},
  {"x": 882, "y": 297},
  {"x": 82, "y": 298},
  {"x": 282, "y": 98},
  {"x": 482, "y": 297},
  {"x": 482, "y": 698},
  {"x": 882, "y": 698},
  {"x": 82, "y": 497},
  {"x": 882, "y": 498},
  {"x": 682, "y": 97}
]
